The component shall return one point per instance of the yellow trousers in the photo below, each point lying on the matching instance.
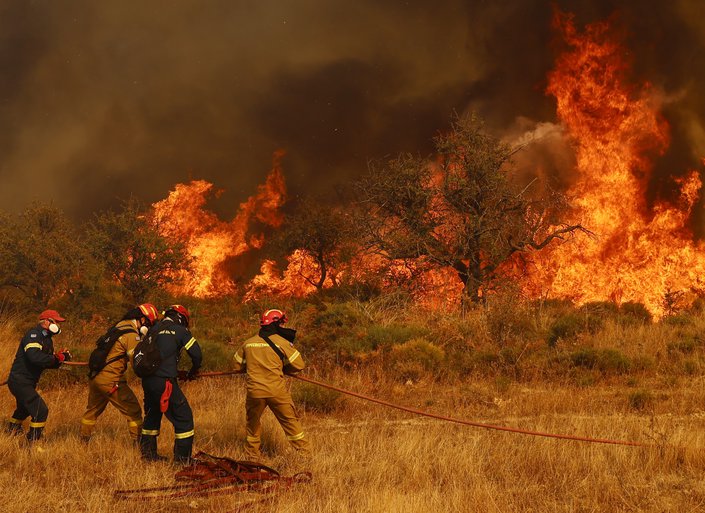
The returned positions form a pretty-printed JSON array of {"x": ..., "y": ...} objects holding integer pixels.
[
  {"x": 102, "y": 392},
  {"x": 283, "y": 410}
]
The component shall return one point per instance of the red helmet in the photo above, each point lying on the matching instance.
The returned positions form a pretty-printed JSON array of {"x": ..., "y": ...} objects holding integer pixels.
[
  {"x": 51, "y": 314},
  {"x": 182, "y": 311},
  {"x": 150, "y": 312},
  {"x": 271, "y": 316}
]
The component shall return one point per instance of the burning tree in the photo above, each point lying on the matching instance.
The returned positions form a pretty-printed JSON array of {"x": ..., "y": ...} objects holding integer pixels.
[
  {"x": 463, "y": 212},
  {"x": 320, "y": 233},
  {"x": 134, "y": 252}
]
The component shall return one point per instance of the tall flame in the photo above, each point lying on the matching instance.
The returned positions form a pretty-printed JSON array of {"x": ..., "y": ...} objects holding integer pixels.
[
  {"x": 211, "y": 242},
  {"x": 636, "y": 255}
]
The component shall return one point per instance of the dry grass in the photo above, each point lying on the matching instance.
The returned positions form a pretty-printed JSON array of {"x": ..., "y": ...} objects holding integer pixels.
[{"x": 370, "y": 459}]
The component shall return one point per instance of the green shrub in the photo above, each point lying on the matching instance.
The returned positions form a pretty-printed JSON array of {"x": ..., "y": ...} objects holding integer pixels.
[
  {"x": 585, "y": 358},
  {"x": 460, "y": 361},
  {"x": 637, "y": 312},
  {"x": 313, "y": 398},
  {"x": 378, "y": 335},
  {"x": 508, "y": 317},
  {"x": 613, "y": 361},
  {"x": 415, "y": 358},
  {"x": 600, "y": 308},
  {"x": 640, "y": 400},
  {"x": 565, "y": 327},
  {"x": 687, "y": 345},
  {"x": 336, "y": 316},
  {"x": 584, "y": 378},
  {"x": 642, "y": 363},
  {"x": 682, "y": 319},
  {"x": 691, "y": 367},
  {"x": 350, "y": 345},
  {"x": 607, "y": 361}
]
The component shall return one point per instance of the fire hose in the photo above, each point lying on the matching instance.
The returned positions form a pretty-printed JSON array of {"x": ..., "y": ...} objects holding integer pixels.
[
  {"x": 79, "y": 364},
  {"x": 443, "y": 417},
  {"x": 428, "y": 414},
  {"x": 211, "y": 475}
]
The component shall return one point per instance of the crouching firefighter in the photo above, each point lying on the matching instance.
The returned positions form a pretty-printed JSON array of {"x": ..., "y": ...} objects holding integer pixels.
[
  {"x": 266, "y": 358},
  {"x": 107, "y": 366},
  {"x": 162, "y": 395},
  {"x": 34, "y": 354}
]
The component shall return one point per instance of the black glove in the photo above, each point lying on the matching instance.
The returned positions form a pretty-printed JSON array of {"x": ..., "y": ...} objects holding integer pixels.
[
  {"x": 188, "y": 375},
  {"x": 67, "y": 355}
]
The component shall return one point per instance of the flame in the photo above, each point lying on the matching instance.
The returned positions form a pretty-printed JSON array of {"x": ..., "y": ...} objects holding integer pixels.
[
  {"x": 210, "y": 242},
  {"x": 431, "y": 288},
  {"x": 295, "y": 280},
  {"x": 640, "y": 252},
  {"x": 637, "y": 255}
]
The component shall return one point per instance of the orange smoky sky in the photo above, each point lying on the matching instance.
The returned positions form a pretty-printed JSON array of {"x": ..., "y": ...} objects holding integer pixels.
[{"x": 100, "y": 100}]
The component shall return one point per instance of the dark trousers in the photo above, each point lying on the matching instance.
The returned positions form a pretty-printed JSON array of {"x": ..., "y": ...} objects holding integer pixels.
[
  {"x": 178, "y": 413},
  {"x": 29, "y": 404}
]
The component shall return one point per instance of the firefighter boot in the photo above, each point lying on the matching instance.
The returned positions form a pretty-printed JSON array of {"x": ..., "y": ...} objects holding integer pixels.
[
  {"x": 148, "y": 448},
  {"x": 182, "y": 450},
  {"x": 14, "y": 427},
  {"x": 34, "y": 433}
]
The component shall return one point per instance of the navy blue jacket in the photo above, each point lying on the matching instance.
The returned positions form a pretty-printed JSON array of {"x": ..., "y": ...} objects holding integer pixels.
[
  {"x": 34, "y": 354},
  {"x": 172, "y": 337}
]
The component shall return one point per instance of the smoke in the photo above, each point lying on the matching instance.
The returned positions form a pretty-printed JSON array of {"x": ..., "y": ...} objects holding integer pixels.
[{"x": 100, "y": 100}]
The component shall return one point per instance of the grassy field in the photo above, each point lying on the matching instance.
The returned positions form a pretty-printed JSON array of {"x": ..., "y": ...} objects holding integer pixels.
[{"x": 371, "y": 459}]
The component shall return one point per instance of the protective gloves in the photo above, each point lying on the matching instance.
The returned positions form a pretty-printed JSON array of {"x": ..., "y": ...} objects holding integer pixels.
[
  {"x": 63, "y": 356},
  {"x": 188, "y": 375}
]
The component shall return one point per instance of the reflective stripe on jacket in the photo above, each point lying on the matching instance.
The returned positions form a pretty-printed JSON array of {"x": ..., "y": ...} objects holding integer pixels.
[
  {"x": 264, "y": 368},
  {"x": 34, "y": 354},
  {"x": 172, "y": 338}
]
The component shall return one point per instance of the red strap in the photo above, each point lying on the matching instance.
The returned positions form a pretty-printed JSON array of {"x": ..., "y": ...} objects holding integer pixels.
[{"x": 164, "y": 400}]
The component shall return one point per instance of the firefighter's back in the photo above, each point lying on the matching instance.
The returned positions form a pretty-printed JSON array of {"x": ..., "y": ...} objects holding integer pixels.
[{"x": 265, "y": 376}]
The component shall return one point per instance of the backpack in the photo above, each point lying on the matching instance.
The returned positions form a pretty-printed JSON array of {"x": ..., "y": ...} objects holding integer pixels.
[
  {"x": 146, "y": 358},
  {"x": 97, "y": 360}
]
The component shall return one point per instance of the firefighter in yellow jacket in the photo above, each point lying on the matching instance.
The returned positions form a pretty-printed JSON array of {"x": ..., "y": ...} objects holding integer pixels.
[
  {"x": 266, "y": 358},
  {"x": 107, "y": 382}
]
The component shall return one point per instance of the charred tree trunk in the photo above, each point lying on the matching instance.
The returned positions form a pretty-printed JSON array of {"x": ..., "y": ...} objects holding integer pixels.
[
  {"x": 324, "y": 271},
  {"x": 471, "y": 279}
]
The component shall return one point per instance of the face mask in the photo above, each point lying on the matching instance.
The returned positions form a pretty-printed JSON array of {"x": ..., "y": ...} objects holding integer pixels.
[
  {"x": 54, "y": 328},
  {"x": 288, "y": 333},
  {"x": 143, "y": 330}
]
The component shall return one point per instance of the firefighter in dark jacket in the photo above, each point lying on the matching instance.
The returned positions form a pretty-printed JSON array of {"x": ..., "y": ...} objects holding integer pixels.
[
  {"x": 162, "y": 394},
  {"x": 34, "y": 354},
  {"x": 266, "y": 387}
]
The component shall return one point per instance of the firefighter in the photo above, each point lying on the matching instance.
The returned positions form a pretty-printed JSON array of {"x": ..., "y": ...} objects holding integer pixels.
[
  {"x": 162, "y": 394},
  {"x": 110, "y": 384},
  {"x": 266, "y": 362},
  {"x": 34, "y": 354}
]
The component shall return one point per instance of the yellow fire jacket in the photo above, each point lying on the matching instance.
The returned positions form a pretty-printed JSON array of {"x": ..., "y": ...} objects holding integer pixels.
[
  {"x": 125, "y": 345},
  {"x": 264, "y": 368}
]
